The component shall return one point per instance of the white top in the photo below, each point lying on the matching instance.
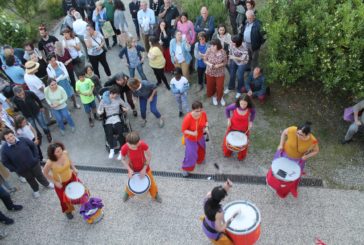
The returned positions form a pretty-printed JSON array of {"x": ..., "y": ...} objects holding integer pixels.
[
  {"x": 25, "y": 132},
  {"x": 179, "y": 84},
  {"x": 70, "y": 45},
  {"x": 179, "y": 54},
  {"x": 79, "y": 27},
  {"x": 34, "y": 84},
  {"x": 96, "y": 40}
]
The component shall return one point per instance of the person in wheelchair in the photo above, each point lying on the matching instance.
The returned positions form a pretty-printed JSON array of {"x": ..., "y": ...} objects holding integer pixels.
[{"x": 111, "y": 108}]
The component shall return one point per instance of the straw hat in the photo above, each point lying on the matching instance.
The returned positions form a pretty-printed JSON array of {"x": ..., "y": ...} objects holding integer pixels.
[{"x": 31, "y": 66}]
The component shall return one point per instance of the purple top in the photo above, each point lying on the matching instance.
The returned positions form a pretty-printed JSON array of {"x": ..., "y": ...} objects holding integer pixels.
[{"x": 232, "y": 107}]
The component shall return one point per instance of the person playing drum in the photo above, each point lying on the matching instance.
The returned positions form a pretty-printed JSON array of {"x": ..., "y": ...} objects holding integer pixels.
[
  {"x": 193, "y": 127},
  {"x": 136, "y": 157},
  {"x": 60, "y": 170},
  {"x": 241, "y": 119},
  {"x": 298, "y": 144},
  {"x": 213, "y": 223}
]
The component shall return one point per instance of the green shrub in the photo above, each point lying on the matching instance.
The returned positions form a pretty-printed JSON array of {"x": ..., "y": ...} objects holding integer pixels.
[
  {"x": 56, "y": 8},
  {"x": 216, "y": 9},
  {"x": 11, "y": 33},
  {"x": 319, "y": 41}
]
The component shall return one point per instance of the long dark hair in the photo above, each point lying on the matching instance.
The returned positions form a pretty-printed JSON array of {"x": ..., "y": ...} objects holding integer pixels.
[
  {"x": 119, "y": 5},
  {"x": 212, "y": 205},
  {"x": 52, "y": 148},
  {"x": 305, "y": 128},
  {"x": 246, "y": 98}
]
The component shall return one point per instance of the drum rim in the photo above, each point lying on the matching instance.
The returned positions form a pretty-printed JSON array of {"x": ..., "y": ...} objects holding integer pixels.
[
  {"x": 236, "y": 131},
  {"x": 137, "y": 192},
  {"x": 78, "y": 183},
  {"x": 283, "y": 179},
  {"x": 250, "y": 229}
]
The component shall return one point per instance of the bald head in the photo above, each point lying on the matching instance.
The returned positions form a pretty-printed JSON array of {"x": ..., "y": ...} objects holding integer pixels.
[
  {"x": 204, "y": 12},
  {"x": 250, "y": 16}
]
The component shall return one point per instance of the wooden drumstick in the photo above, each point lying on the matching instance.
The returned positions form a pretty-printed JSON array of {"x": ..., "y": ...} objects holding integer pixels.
[{"x": 220, "y": 173}]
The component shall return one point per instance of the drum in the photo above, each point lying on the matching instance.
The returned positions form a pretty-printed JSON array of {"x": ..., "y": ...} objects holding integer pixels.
[
  {"x": 139, "y": 185},
  {"x": 245, "y": 227},
  {"x": 236, "y": 141},
  {"x": 76, "y": 193},
  {"x": 285, "y": 169}
]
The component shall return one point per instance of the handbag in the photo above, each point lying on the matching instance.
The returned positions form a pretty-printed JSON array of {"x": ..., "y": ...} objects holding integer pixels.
[
  {"x": 107, "y": 30},
  {"x": 103, "y": 47}
]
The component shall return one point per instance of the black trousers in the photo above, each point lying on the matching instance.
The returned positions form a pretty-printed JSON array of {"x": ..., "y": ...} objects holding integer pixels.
[
  {"x": 201, "y": 75},
  {"x": 34, "y": 174},
  {"x": 159, "y": 74},
  {"x": 129, "y": 98},
  {"x": 94, "y": 60},
  {"x": 5, "y": 197},
  {"x": 110, "y": 130}
]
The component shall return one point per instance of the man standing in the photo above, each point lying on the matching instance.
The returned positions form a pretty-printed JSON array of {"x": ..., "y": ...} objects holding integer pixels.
[
  {"x": 134, "y": 7},
  {"x": 358, "y": 122},
  {"x": 79, "y": 28},
  {"x": 21, "y": 155},
  {"x": 169, "y": 13},
  {"x": 5, "y": 197},
  {"x": 253, "y": 37},
  {"x": 47, "y": 42},
  {"x": 232, "y": 5},
  {"x": 146, "y": 20},
  {"x": 205, "y": 23}
]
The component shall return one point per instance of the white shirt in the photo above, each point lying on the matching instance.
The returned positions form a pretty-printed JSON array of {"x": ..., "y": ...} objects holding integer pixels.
[
  {"x": 34, "y": 84},
  {"x": 179, "y": 54},
  {"x": 25, "y": 132},
  {"x": 179, "y": 84},
  {"x": 69, "y": 44},
  {"x": 79, "y": 27}
]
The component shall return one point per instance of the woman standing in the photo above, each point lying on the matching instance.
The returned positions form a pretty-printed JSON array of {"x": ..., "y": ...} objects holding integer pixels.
[
  {"x": 186, "y": 27},
  {"x": 164, "y": 35},
  {"x": 61, "y": 171},
  {"x": 241, "y": 119},
  {"x": 199, "y": 52},
  {"x": 157, "y": 61},
  {"x": 58, "y": 71},
  {"x": 56, "y": 98},
  {"x": 73, "y": 44},
  {"x": 194, "y": 126},
  {"x": 63, "y": 55},
  {"x": 99, "y": 17},
  {"x": 215, "y": 60},
  {"x": 120, "y": 22},
  {"x": 96, "y": 50},
  {"x": 223, "y": 36},
  {"x": 239, "y": 58},
  {"x": 147, "y": 92},
  {"x": 180, "y": 53}
]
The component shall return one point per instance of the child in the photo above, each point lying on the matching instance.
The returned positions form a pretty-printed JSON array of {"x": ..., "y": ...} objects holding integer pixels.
[
  {"x": 199, "y": 52},
  {"x": 95, "y": 79},
  {"x": 25, "y": 130},
  {"x": 136, "y": 157},
  {"x": 85, "y": 88},
  {"x": 179, "y": 87}
]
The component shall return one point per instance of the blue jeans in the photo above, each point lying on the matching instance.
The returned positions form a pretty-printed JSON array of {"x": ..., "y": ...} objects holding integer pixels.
[
  {"x": 140, "y": 71},
  {"x": 233, "y": 68},
  {"x": 61, "y": 114},
  {"x": 153, "y": 107},
  {"x": 40, "y": 119},
  {"x": 182, "y": 102}
]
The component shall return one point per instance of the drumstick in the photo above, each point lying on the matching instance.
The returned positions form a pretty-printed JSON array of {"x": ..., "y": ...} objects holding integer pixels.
[{"x": 220, "y": 173}]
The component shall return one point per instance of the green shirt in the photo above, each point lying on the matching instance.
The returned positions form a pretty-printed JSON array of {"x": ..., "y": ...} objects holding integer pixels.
[
  {"x": 84, "y": 87},
  {"x": 109, "y": 9}
]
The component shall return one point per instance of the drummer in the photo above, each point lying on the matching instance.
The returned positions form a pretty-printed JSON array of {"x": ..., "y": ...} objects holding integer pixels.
[
  {"x": 298, "y": 144},
  {"x": 240, "y": 115},
  {"x": 60, "y": 170},
  {"x": 136, "y": 157},
  {"x": 213, "y": 223}
]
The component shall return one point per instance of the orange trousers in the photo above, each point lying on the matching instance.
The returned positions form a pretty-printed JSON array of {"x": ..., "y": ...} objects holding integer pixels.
[
  {"x": 223, "y": 240},
  {"x": 153, "y": 190}
]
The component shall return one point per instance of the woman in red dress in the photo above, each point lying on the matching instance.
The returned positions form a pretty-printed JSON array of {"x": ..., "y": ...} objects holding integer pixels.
[{"x": 242, "y": 118}]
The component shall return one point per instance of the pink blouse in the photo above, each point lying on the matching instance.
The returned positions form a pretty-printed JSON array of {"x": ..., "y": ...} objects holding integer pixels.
[{"x": 187, "y": 29}]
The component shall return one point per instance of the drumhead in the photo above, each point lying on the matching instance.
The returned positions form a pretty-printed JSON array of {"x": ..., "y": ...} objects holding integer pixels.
[
  {"x": 286, "y": 169},
  {"x": 138, "y": 185},
  {"x": 248, "y": 219},
  {"x": 237, "y": 138},
  {"x": 75, "y": 190}
]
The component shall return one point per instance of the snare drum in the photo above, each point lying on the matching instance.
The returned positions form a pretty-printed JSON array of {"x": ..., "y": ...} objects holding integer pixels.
[
  {"x": 285, "y": 169},
  {"x": 139, "y": 185},
  {"x": 76, "y": 193},
  {"x": 245, "y": 228},
  {"x": 236, "y": 141}
]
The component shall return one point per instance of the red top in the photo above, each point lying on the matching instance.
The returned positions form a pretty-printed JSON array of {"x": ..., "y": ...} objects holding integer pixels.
[
  {"x": 240, "y": 122},
  {"x": 189, "y": 123},
  {"x": 137, "y": 158}
]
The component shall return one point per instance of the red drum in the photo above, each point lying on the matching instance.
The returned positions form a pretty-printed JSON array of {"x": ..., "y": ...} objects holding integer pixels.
[
  {"x": 236, "y": 141},
  {"x": 245, "y": 227},
  {"x": 76, "y": 193}
]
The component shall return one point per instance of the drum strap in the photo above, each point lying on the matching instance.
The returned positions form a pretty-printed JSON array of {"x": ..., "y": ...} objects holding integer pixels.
[{"x": 210, "y": 229}]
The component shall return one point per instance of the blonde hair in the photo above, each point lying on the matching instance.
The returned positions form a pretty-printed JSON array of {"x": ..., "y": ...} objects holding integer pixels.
[
  {"x": 130, "y": 41},
  {"x": 99, "y": 3}
]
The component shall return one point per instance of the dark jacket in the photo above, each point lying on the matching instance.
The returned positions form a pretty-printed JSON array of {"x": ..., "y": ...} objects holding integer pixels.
[
  {"x": 30, "y": 106},
  {"x": 257, "y": 38},
  {"x": 134, "y": 8},
  {"x": 112, "y": 81},
  {"x": 124, "y": 51},
  {"x": 20, "y": 157},
  {"x": 209, "y": 25}
]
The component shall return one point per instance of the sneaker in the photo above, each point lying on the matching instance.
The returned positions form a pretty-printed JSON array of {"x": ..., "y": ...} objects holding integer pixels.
[
  {"x": 222, "y": 102},
  {"x": 50, "y": 186},
  {"x": 49, "y": 137},
  {"x": 91, "y": 122},
  {"x": 7, "y": 221},
  {"x": 119, "y": 157},
  {"x": 135, "y": 113},
  {"x": 126, "y": 197},
  {"x": 185, "y": 174},
  {"x": 180, "y": 114},
  {"x": 69, "y": 215},
  {"x": 77, "y": 106},
  {"x": 36, "y": 194},
  {"x": 62, "y": 132},
  {"x": 161, "y": 123},
  {"x": 227, "y": 91},
  {"x": 3, "y": 234},
  {"x": 214, "y": 100},
  {"x": 111, "y": 153},
  {"x": 16, "y": 208},
  {"x": 158, "y": 198},
  {"x": 237, "y": 95},
  {"x": 73, "y": 129},
  {"x": 22, "y": 179},
  {"x": 144, "y": 122}
]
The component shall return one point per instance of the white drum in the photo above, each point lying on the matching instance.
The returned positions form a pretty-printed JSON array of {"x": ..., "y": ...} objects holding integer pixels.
[
  {"x": 76, "y": 193},
  {"x": 139, "y": 185},
  {"x": 236, "y": 141},
  {"x": 285, "y": 169}
]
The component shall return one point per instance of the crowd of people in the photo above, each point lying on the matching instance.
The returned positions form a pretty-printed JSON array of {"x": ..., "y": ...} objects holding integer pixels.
[{"x": 38, "y": 80}]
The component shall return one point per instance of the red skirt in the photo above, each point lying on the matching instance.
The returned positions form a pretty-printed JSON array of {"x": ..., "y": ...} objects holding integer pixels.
[{"x": 169, "y": 67}]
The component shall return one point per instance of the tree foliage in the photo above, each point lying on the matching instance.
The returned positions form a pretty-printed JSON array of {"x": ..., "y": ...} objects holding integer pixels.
[{"x": 314, "y": 40}]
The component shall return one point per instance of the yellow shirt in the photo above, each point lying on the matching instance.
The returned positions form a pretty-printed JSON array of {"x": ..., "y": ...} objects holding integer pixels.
[
  {"x": 159, "y": 61},
  {"x": 295, "y": 147},
  {"x": 62, "y": 173}
]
